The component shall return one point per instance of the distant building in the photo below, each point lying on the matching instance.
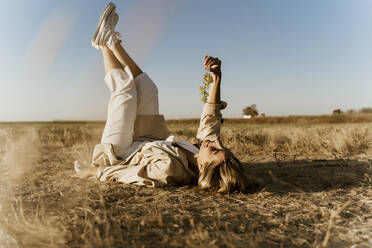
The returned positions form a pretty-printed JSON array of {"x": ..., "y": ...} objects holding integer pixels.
[{"x": 247, "y": 116}]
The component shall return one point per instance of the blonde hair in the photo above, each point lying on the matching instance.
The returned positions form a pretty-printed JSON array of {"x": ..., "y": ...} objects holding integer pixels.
[{"x": 225, "y": 177}]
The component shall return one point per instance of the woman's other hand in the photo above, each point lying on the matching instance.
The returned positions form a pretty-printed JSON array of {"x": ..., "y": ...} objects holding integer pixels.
[
  {"x": 212, "y": 65},
  {"x": 86, "y": 173}
]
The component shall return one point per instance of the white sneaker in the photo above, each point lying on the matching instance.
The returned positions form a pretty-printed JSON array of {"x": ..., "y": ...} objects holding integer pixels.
[{"x": 105, "y": 34}]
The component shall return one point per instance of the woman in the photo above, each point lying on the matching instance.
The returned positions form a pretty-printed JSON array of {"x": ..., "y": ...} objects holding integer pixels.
[{"x": 135, "y": 148}]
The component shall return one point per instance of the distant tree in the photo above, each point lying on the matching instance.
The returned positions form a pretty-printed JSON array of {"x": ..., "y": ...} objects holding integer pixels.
[
  {"x": 251, "y": 110},
  {"x": 366, "y": 110},
  {"x": 337, "y": 111}
]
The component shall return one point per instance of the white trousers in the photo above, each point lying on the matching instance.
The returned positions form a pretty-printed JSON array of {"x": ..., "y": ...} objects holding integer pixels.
[{"x": 129, "y": 98}]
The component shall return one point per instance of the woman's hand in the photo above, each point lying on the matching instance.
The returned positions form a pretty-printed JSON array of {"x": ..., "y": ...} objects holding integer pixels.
[
  {"x": 86, "y": 173},
  {"x": 212, "y": 65}
]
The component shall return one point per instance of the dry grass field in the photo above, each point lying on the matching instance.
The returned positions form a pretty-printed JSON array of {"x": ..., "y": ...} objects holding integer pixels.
[{"x": 315, "y": 190}]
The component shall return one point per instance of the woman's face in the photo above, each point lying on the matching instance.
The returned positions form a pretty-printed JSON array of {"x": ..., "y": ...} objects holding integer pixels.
[{"x": 212, "y": 152}]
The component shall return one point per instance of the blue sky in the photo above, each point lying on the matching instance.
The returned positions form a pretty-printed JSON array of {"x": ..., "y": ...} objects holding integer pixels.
[{"x": 288, "y": 57}]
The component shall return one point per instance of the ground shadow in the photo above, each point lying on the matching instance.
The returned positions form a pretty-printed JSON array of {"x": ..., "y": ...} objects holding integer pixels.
[{"x": 309, "y": 176}]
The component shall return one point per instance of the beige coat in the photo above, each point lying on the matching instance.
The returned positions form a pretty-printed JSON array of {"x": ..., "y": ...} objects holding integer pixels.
[{"x": 156, "y": 161}]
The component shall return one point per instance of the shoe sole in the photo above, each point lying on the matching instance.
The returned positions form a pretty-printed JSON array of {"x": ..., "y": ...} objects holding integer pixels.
[{"x": 106, "y": 12}]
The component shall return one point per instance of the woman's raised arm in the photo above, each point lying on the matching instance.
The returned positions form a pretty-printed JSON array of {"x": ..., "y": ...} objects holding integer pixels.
[{"x": 210, "y": 120}]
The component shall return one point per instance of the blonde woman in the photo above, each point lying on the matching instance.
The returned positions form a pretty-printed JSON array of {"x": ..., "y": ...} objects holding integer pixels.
[{"x": 135, "y": 147}]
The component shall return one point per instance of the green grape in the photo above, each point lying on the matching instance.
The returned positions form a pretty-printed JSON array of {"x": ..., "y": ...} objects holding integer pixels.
[{"x": 207, "y": 79}]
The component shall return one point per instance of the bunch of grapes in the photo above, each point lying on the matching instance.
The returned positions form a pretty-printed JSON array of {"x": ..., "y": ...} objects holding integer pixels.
[{"x": 207, "y": 80}]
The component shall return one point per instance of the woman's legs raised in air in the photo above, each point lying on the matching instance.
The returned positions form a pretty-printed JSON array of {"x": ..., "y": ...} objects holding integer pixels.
[
  {"x": 106, "y": 36},
  {"x": 132, "y": 92}
]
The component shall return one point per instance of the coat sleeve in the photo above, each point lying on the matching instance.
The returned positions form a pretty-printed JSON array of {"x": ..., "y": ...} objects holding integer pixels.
[{"x": 210, "y": 121}]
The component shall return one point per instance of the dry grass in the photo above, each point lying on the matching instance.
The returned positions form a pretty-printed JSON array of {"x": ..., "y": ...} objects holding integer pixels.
[
  {"x": 23, "y": 225},
  {"x": 287, "y": 142},
  {"x": 316, "y": 191},
  {"x": 294, "y": 119}
]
